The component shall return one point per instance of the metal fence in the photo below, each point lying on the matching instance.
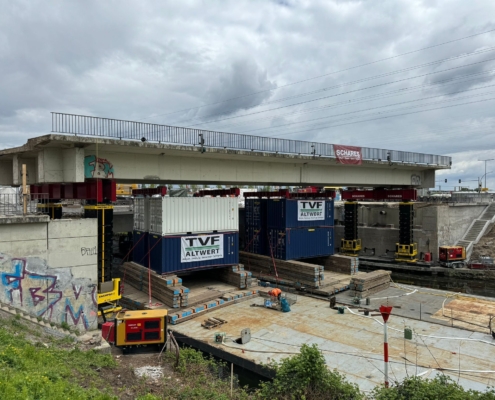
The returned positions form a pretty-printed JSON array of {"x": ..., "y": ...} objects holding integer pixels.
[
  {"x": 143, "y": 131},
  {"x": 12, "y": 203}
]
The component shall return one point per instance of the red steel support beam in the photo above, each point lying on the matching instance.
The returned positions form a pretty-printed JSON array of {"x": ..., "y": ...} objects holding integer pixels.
[
  {"x": 235, "y": 192},
  {"x": 284, "y": 193},
  {"x": 93, "y": 189},
  {"x": 380, "y": 194},
  {"x": 160, "y": 190}
]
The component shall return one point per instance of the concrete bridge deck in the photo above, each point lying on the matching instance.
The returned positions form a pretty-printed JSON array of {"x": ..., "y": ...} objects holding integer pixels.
[{"x": 139, "y": 152}]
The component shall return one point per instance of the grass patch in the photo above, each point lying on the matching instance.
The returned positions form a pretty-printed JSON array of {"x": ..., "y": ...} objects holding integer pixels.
[{"x": 36, "y": 372}]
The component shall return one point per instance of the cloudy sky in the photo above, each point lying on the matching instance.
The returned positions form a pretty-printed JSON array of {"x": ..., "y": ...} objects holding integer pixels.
[{"x": 388, "y": 74}]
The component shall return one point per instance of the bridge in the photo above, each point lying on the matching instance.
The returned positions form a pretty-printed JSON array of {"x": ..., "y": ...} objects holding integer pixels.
[{"x": 81, "y": 147}]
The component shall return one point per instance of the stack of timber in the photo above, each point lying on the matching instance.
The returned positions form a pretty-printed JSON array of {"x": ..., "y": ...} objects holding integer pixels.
[
  {"x": 334, "y": 283},
  {"x": 339, "y": 263},
  {"x": 289, "y": 273},
  {"x": 167, "y": 289},
  {"x": 364, "y": 285},
  {"x": 237, "y": 276}
]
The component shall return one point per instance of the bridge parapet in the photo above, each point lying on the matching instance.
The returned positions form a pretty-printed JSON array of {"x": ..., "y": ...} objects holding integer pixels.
[{"x": 143, "y": 131}]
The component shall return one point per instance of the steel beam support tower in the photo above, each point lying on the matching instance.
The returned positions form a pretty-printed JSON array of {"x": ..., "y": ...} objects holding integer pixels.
[{"x": 350, "y": 245}]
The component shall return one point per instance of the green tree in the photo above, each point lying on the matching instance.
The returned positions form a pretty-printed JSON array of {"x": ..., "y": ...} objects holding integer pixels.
[{"x": 306, "y": 376}]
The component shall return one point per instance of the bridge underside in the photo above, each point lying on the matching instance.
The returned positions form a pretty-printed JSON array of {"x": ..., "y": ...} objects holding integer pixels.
[{"x": 62, "y": 158}]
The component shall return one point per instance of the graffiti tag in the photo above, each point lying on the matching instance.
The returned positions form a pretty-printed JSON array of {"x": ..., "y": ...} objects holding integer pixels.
[
  {"x": 89, "y": 251},
  {"x": 95, "y": 167},
  {"x": 52, "y": 294}
]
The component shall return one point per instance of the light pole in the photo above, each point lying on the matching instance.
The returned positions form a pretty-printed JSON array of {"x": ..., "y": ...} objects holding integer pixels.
[
  {"x": 481, "y": 179},
  {"x": 485, "y": 161}
]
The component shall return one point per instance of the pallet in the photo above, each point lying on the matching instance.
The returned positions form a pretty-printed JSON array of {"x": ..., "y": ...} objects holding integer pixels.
[{"x": 213, "y": 323}]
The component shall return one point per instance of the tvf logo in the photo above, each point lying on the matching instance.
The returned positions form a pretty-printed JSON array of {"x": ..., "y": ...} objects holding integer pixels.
[
  {"x": 312, "y": 205},
  {"x": 203, "y": 241}
]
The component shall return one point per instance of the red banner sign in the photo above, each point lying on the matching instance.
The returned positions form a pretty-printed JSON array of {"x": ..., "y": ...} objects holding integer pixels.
[{"x": 348, "y": 154}]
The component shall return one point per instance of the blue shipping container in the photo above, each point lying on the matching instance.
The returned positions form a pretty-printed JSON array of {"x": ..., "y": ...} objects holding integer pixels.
[
  {"x": 140, "y": 247},
  {"x": 255, "y": 212},
  {"x": 288, "y": 213},
  {"x": 293, "y": 244},
  {"x": 197, "y": 251},
  {"x": 256, "y": 240}
]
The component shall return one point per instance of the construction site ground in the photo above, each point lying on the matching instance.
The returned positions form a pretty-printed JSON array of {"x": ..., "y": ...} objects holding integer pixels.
[{"x": 352, "y": 342}]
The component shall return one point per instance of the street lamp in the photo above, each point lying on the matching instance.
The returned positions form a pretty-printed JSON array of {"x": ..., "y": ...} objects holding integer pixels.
[
  {"x": 480, "y": 179},
  {"x": 489, "y": 159}
]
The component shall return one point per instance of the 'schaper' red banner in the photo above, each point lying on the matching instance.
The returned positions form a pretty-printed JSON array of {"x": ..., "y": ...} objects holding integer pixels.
[{"x": 348, "y": 154}]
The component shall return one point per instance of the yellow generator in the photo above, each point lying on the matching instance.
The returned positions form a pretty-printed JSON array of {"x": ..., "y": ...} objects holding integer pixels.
[{"x": 138, "y": 328}]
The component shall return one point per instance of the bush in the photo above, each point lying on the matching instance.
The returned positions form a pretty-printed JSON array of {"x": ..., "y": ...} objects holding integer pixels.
[
  {"x": 441, "y": 387},
  {"x": 306, "y": 376}
]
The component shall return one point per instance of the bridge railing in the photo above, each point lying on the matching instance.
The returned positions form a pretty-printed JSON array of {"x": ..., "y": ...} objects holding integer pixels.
[{"x": 131, "y": 130}]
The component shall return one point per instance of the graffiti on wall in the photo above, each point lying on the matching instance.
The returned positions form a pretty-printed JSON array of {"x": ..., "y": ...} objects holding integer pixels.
[
  {"x": 95, "y": 167},
  {"x": 49, "y": 293}
]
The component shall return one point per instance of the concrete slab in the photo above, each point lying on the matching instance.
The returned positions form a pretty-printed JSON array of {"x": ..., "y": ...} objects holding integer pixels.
[
  {"x": 23, "y": 230},
  {"x": 72, "y": 228},
  {"x": 23, "y": 219},
  {"x": 70, "y": 252},
  {"x": 25, "y": 248},
  {"x": 350, "y": 342}
]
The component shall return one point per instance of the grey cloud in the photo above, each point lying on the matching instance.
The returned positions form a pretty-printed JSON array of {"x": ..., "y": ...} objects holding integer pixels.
[
  {"x": 242, "y": 77},
  {"x": 159, "y": 62}
]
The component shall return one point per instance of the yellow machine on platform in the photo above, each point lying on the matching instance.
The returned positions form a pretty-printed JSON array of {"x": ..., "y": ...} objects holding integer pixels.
[
  {"x": 140, "y": 328},
  {"x": 108, "y": 296}
]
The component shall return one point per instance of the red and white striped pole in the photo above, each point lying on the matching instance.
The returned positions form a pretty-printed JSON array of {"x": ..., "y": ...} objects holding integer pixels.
[{"x": 385, "y": 311}]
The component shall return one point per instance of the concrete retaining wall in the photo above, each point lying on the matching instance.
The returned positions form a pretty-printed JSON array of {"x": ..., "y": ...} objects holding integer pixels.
[
  {"x": 436, "y": 225},
  {"x": 49, "y": 269}
]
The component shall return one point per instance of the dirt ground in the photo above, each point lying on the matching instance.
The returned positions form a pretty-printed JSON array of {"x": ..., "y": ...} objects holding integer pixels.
[
  {"x": 486, "y": 246},
  {"x": 127, "y": 383}
]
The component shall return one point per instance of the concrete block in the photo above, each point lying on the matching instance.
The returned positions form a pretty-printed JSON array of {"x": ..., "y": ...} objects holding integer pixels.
[
  {"x": 73, "y": 163},
  {"x": 50, "y": 165},
  {"x": 6, "y": 173},
  {"x": 72, "y": 228},
  {"x": 25, "y": 248},
  {"x": 70, "y": 252},
  {"x": 22, "y": 232},
  {"x": 104, "y": 348}
]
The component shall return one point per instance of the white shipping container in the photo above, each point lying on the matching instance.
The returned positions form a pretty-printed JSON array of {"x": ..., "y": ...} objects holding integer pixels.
[
  {"x": 141, "y": 214},
  {"x": 182, "y": 215}
]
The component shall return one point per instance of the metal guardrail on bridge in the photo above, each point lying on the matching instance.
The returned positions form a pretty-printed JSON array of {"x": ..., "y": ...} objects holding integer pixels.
[{"x": 131, "y": 130}]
